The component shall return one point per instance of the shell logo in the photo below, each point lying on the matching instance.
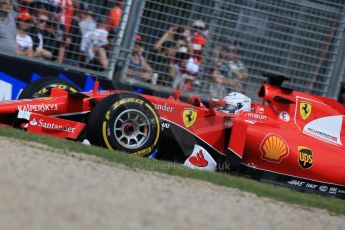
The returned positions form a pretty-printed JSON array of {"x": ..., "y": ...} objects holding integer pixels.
[{"x": 274, "y": 148}]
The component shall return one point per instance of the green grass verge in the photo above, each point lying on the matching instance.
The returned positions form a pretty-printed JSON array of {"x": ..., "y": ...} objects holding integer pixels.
[{"x": 335, "y": 206}]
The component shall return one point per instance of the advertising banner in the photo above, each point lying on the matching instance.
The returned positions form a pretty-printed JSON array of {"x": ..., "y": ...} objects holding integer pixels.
[{"x": 17, "y": 73}]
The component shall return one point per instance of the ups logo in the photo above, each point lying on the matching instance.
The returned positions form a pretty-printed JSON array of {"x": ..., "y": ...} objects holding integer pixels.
[{"x": 305, "y": 158}]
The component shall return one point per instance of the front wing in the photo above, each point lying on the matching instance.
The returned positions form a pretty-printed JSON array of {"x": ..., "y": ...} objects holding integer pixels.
[{"x": 51, "y": 126}]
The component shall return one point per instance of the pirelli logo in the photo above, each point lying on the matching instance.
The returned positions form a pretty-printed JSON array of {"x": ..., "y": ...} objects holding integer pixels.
[{"x": 126, "y": 100}]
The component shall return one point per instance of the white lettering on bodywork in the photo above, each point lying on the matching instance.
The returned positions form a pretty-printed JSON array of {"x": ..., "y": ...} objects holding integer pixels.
[
  {"x": 47, "y": 125},
  {"x": 38, "y": 108}
]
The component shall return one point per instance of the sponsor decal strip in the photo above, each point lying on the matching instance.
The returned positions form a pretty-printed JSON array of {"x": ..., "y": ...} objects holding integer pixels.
[
  {"x": 322, "y": 135},
  {"x": 256, "y": 168},
  {"x": 256, "y": 116},
  {"x": 43, "y": 107},
  {"x": 164, "y": 107},
  {"x": 51, "y": 125}
]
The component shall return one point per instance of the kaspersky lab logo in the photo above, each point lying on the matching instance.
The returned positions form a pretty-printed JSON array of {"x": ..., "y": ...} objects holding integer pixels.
[{"x": 305, "y": 157}]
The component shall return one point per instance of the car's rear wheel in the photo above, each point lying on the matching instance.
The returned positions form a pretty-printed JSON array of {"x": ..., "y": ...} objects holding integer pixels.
[
  {"x": 126, "y": 122},
  {"x": 43, "y": 86}
]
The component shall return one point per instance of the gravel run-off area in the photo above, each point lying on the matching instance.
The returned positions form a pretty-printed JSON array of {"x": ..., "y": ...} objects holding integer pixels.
[{"x": 44, "y": 188}]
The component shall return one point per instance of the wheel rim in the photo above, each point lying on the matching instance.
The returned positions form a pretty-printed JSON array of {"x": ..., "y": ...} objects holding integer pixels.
[{"x": 132, "y": 129}]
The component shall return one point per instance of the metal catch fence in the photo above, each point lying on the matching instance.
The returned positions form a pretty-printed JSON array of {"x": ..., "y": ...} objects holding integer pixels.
[
  {"x": 204, "y": 47},
  {"x": 213, "y": 47},
  {"x": 79, "y": 35}
]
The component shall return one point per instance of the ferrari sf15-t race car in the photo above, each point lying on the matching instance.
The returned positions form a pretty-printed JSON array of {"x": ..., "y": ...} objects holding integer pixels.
[{"x": 291, "y": 138}]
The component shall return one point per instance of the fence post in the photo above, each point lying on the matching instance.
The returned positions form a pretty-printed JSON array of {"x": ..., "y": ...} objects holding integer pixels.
[
  {"x": 120, "y": 37},
  {"x": 130, "y": 32}
]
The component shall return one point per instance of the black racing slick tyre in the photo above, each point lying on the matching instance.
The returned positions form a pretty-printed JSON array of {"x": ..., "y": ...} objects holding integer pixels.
[
  {"x": 42, "y": 87},
  {"x": 125, "y": 122}
]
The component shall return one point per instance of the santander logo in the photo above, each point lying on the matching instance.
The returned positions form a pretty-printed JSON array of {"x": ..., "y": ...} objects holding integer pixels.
[
  {"x": 33, "y": 122},
  {"x": 198, "y": 160},
  {"x": 47, "y": 125}
]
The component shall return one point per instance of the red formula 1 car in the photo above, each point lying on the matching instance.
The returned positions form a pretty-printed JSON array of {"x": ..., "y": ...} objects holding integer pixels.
[{"x": 292, "y": 138}]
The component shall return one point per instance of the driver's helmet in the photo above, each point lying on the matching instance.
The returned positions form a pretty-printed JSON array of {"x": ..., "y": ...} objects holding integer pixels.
[{"x": 235, "y": 102}]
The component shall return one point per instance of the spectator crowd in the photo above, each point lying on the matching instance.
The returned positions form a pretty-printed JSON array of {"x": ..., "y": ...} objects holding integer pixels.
[
  {"x": 69, "y": 32},
  {"x": 63, "y": 31},
  {"x": 182, "y": 48}
]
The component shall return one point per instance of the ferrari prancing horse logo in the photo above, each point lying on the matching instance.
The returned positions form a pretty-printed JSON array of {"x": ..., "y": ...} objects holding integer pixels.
[
  {"x": 305, "y": 109},
  {"x": 189, "y": 117}
]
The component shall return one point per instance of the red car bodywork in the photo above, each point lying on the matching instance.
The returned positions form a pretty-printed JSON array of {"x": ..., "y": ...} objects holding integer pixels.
[{"x": 292, "y": 138}]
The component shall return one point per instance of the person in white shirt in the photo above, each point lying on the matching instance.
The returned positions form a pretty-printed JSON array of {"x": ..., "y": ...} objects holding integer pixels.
[
  {"x": 86, "y": 20},
  {"x": 24, "y": 42},
  {"x": 184, "y": 70},
  {"x": 93, "y": 45}
]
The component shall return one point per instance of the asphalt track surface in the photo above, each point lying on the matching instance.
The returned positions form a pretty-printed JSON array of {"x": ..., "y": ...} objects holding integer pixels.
[{"x": 43, "y": 188}]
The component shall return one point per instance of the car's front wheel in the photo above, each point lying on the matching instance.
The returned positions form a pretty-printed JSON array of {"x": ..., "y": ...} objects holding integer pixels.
[
  {"x": 43, "y": 86},
  {"x": 126, "y": 122}
]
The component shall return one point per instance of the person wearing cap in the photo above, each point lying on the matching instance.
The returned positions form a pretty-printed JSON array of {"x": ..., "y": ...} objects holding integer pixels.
[
  {"x": 138, "y": 67},
  {"x": 7, "y": 28},
  {"x": 24, "y": 41},
  {"x": 199, "y": 38}
]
